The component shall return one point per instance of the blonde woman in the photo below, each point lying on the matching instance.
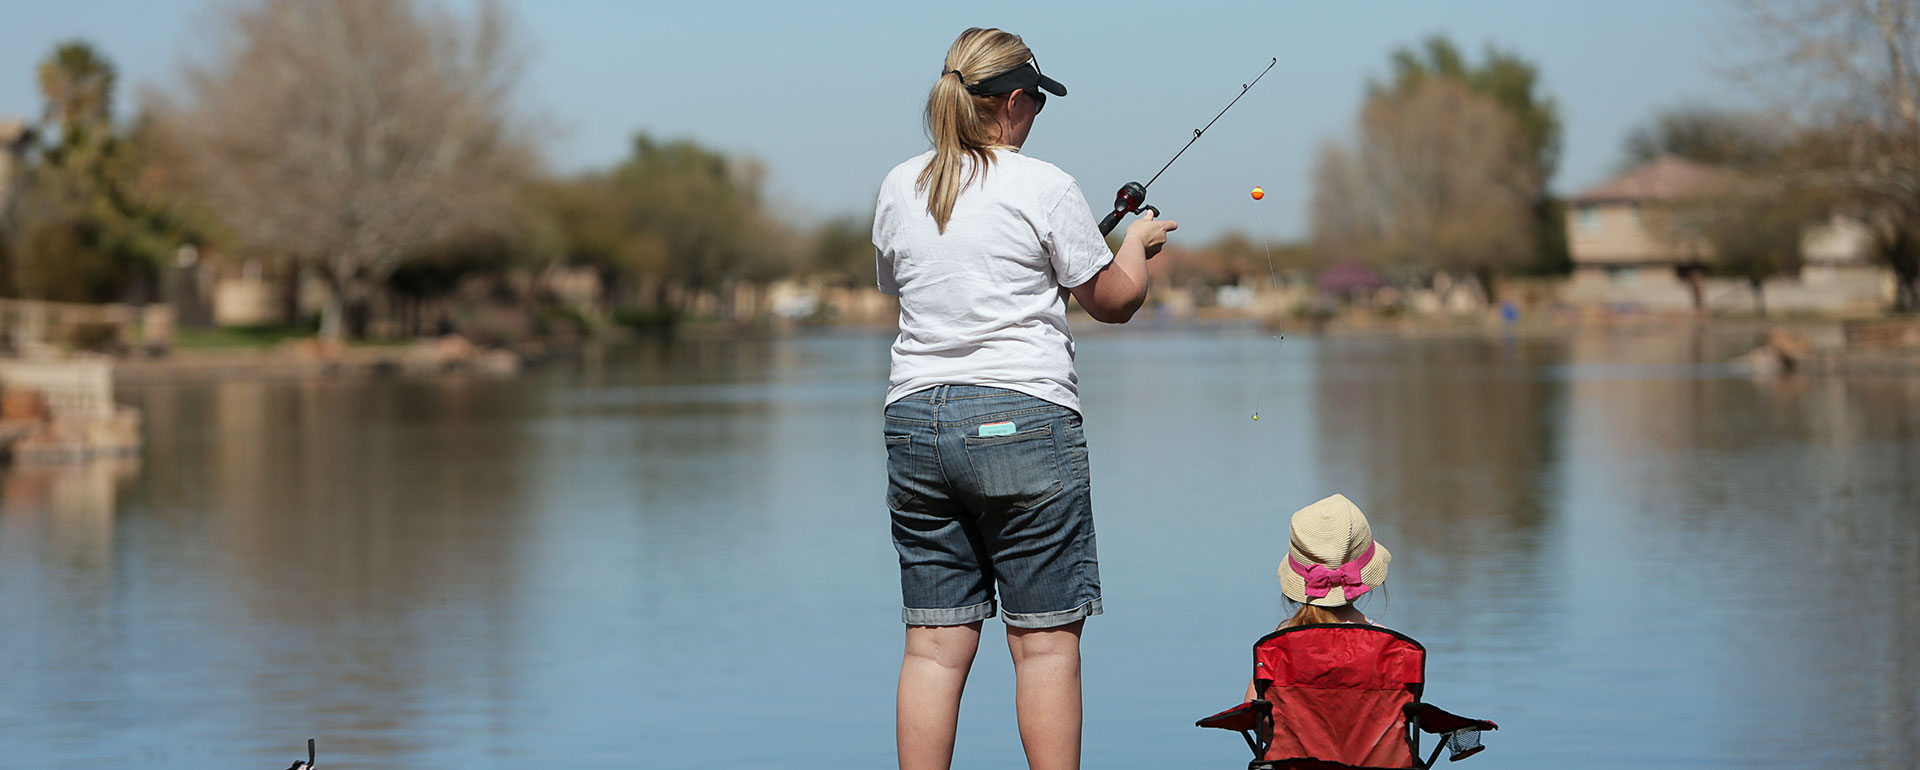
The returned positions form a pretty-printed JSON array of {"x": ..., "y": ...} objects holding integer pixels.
[{"x": 987, "y": 464}]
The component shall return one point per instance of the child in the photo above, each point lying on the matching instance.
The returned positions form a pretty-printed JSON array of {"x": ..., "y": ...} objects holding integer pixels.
[
  {"x": 1331, "y": 688},
  {"x": 1332, "y": 559}
]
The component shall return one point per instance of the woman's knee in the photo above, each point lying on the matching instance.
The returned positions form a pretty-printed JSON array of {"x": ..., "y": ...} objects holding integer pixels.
[
  {"x": 945, "y": 646},
  {"x": 1060, "y": 642}
]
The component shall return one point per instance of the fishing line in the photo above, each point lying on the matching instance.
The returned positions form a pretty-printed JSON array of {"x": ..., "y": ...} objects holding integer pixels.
[
  {"x": 1273, "y": 282},
  {"x": 1244, "y": 88}
]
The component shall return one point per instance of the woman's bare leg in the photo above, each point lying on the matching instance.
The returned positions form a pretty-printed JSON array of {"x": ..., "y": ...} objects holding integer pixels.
[
  {"x": 927, "y": 707},
  {"x": 1046, "y": 670}
]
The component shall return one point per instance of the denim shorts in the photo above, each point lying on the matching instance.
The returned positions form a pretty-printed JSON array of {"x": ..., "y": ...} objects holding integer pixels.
[{"x": 989, "y": 490}]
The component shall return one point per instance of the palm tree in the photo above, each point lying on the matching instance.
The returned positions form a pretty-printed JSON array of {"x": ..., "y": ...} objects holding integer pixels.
[{"x": 77, "y": 83}]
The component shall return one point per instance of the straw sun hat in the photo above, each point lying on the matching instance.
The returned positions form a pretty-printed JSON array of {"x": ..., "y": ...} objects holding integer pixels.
[{"x": 1331, "y": 556}]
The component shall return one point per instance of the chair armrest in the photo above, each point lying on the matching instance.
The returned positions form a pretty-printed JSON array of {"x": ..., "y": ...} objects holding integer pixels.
[
  {"x": 1434, "y": 720},
  {"x": 1253, "y": 720},
  {"x": 1460, "y": 735},
  {"x": 1245, "y": 716}
]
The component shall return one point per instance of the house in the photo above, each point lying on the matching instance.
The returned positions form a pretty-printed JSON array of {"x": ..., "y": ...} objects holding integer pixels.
[
  {"x": 1623, "y": 253},
  {"x": 1628, "y": 251}
]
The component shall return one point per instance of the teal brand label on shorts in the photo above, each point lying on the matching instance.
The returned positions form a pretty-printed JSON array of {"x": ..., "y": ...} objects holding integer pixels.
[{"x": 997, "y": 429}]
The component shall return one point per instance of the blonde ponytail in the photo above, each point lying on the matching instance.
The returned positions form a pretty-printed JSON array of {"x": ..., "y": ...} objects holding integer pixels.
[
  {"x": 956, "y": 117},
  {"x": 1310, "y": 614}
]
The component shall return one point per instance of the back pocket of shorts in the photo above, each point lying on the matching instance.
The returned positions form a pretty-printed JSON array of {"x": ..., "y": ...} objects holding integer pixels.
[
  {"x": 899, "y": 466},
  {"x": 1019, "y": 470}
]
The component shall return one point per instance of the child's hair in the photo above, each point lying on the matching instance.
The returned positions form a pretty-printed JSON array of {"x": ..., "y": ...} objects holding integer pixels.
[{"x": 1311, "y": 614}]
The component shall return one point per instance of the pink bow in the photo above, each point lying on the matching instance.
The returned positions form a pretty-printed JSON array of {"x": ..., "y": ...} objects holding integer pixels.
[{"x": 1321, "y": 579}]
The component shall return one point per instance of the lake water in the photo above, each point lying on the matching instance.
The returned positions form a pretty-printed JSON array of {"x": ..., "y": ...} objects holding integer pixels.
[{"x": 676, "y": 556}]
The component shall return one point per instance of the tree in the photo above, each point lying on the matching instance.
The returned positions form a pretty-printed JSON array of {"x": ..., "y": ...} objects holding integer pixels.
[
  {"x": 1513, "y": 83},
  {"x": 1432, "y": 185},
  {"x": 1756, "y": 237},
  {"x": 1744, "y": 225},
  {"x": 16, "y": 139},
  {"x": 584, "y": 220},
  {"x": 696, "y": 216},
  {"x": 1854, "y": 68},
  {"x": 348, "y": 137},
  {"x": 1705, "y": 135},
  {"x": 95, "y": 228},
  {"x": 1235, "y": 258},
  {"x": 77, "y": 84},
  {"x": 843, "y": 252}
]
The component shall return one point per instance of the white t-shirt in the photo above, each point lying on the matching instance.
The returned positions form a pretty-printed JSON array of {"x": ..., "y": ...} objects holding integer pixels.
[{"x": 983, "y": 303}]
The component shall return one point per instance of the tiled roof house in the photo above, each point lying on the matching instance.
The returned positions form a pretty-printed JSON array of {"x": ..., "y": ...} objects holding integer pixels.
[{"x": 1626, "y": 251}]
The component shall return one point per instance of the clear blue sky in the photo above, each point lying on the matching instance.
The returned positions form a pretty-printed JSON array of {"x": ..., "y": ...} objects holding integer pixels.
[{"x": 828, "y": 95}]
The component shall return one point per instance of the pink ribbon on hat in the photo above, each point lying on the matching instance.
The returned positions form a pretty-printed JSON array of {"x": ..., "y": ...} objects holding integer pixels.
[{"x": 1322, "y": 579}]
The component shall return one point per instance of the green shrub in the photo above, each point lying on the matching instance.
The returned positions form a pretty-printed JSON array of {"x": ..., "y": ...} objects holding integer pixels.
[{"x": 651, "y": 319}]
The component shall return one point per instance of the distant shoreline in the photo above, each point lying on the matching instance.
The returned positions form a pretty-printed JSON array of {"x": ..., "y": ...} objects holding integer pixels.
[{"x": 1825, "y": 337}]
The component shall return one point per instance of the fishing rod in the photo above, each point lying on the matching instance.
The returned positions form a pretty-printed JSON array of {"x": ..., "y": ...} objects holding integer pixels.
[{"x": 1132, "y": 197}]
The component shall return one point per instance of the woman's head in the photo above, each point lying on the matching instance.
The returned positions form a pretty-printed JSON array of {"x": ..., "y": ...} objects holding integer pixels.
[
  {"x": 987, "y": 95},
  {"x": 1332, "y": 558}
]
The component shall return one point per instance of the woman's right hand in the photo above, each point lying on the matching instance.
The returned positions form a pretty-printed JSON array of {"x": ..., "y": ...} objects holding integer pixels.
[{"x": 1150, "y": 233}]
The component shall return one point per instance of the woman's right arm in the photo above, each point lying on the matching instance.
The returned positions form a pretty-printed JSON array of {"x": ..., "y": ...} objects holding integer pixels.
[{"x": 1115, "y": 293}]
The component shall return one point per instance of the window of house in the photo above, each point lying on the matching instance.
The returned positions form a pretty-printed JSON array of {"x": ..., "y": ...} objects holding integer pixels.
[{"x": 1589, "y": 218}]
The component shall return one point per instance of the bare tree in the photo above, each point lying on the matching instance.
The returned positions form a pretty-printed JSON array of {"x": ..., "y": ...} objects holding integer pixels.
[
  {"x": 1431, "y": 185},
  {"x": 1853, "y": 66},
  {"x": 347, "y": 136},
  {"x": 1708, "y": 136}
]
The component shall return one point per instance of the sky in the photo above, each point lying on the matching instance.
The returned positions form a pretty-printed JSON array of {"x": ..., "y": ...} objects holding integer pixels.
[{"x": 828, "y": 96}]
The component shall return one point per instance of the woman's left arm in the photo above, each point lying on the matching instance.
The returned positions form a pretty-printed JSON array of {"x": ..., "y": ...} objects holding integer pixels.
[{"x": 1115, "y": 293}]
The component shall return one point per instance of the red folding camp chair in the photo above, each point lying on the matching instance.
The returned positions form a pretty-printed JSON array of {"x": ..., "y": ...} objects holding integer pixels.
[{"x": 1343, "y": 696}]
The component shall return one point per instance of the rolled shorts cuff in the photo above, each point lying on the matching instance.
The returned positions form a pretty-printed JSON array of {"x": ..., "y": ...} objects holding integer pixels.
[
  {"x": 957, "y": 616},
  {"x": 1052, "y": 619}
]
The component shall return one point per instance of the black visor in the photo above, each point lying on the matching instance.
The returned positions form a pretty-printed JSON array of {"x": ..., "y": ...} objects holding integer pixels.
[{"x": 1026, "y": 75}]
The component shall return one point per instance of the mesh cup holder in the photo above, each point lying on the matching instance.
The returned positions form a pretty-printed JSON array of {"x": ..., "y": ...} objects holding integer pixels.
[{"x": 1463, "y": 743}]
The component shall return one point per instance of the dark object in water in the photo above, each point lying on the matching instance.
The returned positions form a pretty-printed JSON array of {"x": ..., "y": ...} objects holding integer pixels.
[{"x": 308, "y": 764}]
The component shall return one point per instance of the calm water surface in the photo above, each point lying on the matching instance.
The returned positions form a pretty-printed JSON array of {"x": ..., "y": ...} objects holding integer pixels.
[{"x": 675, "y": 556}]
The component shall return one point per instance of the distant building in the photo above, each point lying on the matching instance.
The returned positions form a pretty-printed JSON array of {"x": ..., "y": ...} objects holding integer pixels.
[
  {"x": 1627, "y": 252},
  {"x": 1839, "y": 250},
  {"x": 1620, "y": 251}
]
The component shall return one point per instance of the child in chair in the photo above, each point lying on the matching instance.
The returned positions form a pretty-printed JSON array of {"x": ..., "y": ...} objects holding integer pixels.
[{"x": 1332, "y": 559}]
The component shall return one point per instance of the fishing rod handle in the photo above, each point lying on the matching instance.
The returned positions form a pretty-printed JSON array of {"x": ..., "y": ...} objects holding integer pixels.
[{"x": 1107, "y": 224}]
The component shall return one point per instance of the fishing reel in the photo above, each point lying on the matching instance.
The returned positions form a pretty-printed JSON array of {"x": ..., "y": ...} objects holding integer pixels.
[{"x": 1131, "y": 199}]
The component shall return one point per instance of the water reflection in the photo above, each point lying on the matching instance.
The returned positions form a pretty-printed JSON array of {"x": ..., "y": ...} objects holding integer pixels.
[
  {"x": 59, "y": 581},
  {"x": 599, "y": 563},
  {"x": 68, "y": 507},
  {"x": 294, "y": 577},
  {"x": 1747, "y": 530},
  {"x": 1455, "y": 446}
]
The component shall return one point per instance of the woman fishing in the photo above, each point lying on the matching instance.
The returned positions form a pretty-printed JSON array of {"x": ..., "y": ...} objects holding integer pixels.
[{"x": 988, "y": 482}]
